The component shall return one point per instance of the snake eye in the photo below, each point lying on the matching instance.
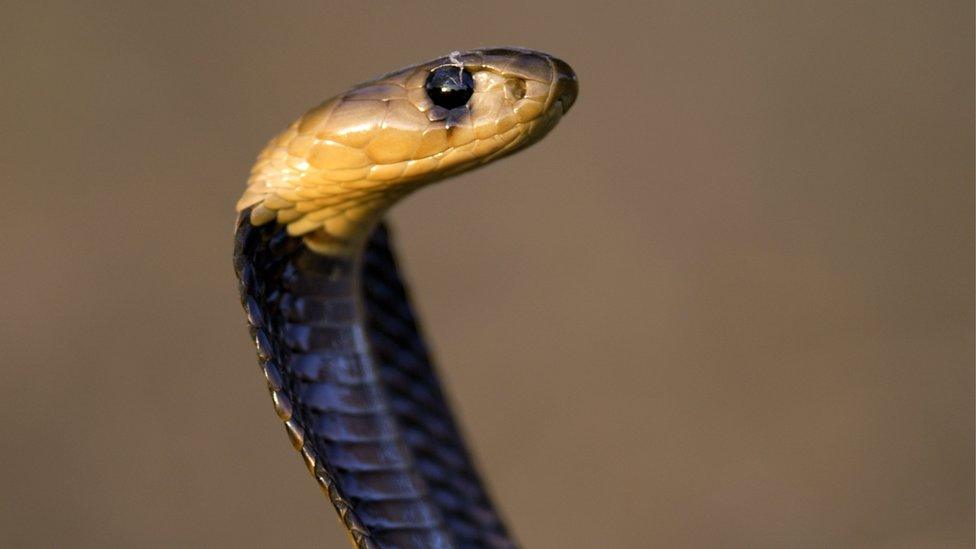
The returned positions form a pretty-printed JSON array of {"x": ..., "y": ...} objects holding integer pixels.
[{"x": 449, "y": 86}]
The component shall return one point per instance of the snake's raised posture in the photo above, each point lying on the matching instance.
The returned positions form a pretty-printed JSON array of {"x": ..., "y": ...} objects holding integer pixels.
[{"x": 344, "y": 359}]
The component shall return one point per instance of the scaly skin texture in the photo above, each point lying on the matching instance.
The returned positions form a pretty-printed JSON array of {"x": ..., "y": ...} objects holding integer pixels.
[
  {"x": 336, "y": 338},
  {"x": 332, "y": 173}
]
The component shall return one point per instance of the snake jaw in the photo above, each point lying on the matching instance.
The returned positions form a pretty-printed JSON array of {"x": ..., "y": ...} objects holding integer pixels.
[{"x": 332, "y": 173}]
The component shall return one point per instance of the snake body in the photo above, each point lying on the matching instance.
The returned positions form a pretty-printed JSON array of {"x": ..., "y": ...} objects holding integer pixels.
[{"x": 344, "y": 359}]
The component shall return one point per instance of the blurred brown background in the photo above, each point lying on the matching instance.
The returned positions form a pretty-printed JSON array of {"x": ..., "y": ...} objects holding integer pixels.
[{"x": 727, "y": 303}]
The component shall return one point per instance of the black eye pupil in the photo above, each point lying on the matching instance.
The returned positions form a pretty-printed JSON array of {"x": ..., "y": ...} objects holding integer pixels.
[{"x": 449, "y": 86}]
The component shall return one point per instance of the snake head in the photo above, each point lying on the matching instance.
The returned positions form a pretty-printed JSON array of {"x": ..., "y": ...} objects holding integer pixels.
[{"x": 336, "y": 169}]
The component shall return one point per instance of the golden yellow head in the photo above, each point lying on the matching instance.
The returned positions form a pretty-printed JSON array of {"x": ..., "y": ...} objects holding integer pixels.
[{"x": 335, "y": 170}]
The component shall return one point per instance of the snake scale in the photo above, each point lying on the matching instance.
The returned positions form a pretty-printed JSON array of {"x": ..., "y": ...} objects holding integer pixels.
[{"x": 343, "y": 355}]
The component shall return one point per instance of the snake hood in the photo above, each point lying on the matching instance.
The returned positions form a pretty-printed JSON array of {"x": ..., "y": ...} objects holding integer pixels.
[{"x": 335, "y": 170}]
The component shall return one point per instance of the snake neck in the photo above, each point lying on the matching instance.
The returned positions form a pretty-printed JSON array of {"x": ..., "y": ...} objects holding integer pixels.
[{"x": 351, "y": 379}]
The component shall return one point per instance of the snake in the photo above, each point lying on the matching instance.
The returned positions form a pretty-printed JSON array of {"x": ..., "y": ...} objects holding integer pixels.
[{"x": 337, "y": 340}]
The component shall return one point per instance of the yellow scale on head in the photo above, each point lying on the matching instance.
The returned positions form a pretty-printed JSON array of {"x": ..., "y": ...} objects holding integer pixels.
[{"x": 334, "y": 171}]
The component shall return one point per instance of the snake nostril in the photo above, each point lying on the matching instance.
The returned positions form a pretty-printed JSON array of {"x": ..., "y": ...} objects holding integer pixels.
[{"x": 515, "y": 88}]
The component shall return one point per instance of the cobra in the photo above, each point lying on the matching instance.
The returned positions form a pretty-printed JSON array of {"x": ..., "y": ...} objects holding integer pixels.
[{"x": 345, "y": 362}]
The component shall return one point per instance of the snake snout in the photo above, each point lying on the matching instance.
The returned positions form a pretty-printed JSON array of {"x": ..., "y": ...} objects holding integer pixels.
[{"x": 565, "y": 84}]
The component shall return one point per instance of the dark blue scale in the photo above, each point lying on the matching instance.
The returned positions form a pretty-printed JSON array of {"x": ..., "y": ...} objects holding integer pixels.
[{"x": 362, "y": 389}]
